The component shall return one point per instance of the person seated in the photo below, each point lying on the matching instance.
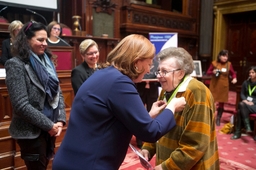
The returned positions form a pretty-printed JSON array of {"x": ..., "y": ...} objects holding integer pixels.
[
  {"x": 54, "y": 32},
  {"x": 14, "y": 28},
  {"x": 89, "y": 52},
  {"x": 247, "y": 105}
]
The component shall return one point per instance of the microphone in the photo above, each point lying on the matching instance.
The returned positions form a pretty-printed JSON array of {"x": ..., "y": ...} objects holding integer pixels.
[
  {"x": 33, "y": 12},
  {"x": 63, "y": 41},
  {"x": 4, "y": 8}
]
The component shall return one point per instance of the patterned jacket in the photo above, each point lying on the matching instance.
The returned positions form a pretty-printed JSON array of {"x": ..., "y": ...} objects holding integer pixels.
[
  {"x": 192, "y": 143},
  {"x": 27, "y": 98}
]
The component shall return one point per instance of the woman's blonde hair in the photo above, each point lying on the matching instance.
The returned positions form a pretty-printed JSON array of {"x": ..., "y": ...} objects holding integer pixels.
[
  {"x": 13, "y": 26},
  {"x": 85, "y": 44},
  {"x": 128, "y": 51}
]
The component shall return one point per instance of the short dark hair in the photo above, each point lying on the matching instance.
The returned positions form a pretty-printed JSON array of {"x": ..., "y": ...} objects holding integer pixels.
[
  {"x": 252, "y": 68},
  {"x": 222, "y": 53}
]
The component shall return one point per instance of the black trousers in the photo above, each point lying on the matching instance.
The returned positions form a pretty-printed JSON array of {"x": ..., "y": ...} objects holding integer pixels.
[{"x": 37, "y": 152}]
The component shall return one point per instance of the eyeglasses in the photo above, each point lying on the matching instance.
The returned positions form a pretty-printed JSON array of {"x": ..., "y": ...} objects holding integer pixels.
[
  {"x": 163, "y": 73},
  {"x": 55, "y": 28},
  {"x": 92, "y": 53}
]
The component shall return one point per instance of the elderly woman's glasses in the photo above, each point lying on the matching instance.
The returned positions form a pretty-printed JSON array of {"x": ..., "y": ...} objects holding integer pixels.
[{"x": 164, "y": 72}]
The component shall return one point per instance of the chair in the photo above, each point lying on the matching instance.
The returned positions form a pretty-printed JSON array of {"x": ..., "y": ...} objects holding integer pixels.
[
  {"x": 3, "y": 20},
  {"x": 66, "y": 31}
]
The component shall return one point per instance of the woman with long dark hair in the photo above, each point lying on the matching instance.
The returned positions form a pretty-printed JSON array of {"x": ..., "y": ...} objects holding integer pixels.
[{"x": 36, "y": 98}]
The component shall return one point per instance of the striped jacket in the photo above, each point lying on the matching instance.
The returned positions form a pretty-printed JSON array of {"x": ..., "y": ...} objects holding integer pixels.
[{"x": 192, "y": 143}]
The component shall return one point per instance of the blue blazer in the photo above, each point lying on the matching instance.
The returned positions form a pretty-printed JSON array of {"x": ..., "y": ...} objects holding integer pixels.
[{"x": 106, "y": 112}]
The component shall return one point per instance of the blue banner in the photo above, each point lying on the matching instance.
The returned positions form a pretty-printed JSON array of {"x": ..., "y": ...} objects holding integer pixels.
[{"x": 163, "y": 40}]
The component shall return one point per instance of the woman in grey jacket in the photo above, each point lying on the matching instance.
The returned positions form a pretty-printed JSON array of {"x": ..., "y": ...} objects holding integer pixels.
[{"x": 37, "y": 101}]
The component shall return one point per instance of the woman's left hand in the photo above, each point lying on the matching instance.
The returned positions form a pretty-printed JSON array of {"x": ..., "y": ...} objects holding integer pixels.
[{"x": 60, "y": 126}]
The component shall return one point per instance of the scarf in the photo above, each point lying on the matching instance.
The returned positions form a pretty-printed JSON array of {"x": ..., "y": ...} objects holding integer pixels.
[{"x": 47, "y": 76}]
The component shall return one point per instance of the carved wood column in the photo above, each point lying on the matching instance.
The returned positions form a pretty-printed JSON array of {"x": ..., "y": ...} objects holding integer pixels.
[{"x": 205, "y": 38}]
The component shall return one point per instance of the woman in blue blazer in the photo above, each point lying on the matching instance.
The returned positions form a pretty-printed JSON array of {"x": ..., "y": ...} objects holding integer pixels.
[{"x": 108, "y": 110}]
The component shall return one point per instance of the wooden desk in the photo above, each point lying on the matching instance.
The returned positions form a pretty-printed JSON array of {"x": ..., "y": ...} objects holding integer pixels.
[
  {"x": 63, "y": 57},
  {"x": 9, "y": 150}
]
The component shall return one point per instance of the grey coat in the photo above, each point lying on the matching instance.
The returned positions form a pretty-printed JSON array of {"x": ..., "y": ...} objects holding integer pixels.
[{"x": 27, "y": 97}]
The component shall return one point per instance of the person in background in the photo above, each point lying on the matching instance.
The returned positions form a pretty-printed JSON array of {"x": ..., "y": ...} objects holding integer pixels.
[
  {"x": 148, "y": 91},
  {"x": 89, "y": 52},
  {"x": 107, "y": 111},
  {"x": 54, "y": 32},
  {"x": 192, "y": 143},
  {"x": 247, "y": 104},
  {"x": 220, "y": 70},
  {"x": 14, "y": 29},
  {"x": 35, "y": 95}
]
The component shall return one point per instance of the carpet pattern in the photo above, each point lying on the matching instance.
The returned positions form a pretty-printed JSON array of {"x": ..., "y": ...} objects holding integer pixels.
[{"x": 237, "y": 154}]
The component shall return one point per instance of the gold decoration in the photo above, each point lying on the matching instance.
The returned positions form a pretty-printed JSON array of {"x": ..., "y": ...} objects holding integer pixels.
[{"x": 77, "y": 26}]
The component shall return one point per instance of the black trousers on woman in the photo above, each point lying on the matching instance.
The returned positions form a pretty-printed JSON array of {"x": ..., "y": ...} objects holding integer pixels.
[{"x": 37, "y": 152}]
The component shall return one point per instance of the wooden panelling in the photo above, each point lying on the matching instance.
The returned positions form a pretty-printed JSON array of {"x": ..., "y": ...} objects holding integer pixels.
[
  {"x": 140, "y": 19},
  {"x": 9, "y": 149}
]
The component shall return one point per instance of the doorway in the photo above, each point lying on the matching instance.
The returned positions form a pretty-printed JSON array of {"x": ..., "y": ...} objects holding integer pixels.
[{"x": 241, "y": 42}]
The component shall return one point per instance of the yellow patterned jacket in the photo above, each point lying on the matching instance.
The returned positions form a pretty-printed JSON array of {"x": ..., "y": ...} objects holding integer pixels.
[{"x": 192, "y": 143}]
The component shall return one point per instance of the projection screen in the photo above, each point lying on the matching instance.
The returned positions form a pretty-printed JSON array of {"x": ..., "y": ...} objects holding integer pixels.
[{"x": 46, "y": 4}]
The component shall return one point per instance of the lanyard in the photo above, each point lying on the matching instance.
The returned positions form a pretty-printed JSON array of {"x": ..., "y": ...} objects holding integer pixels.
[
  {"x": 176, "y": 90},
  {"x": 251, "y": 90}
]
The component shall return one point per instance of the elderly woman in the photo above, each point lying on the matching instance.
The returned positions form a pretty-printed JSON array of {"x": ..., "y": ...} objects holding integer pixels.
[
  {"x": 107, "y": 111},
  {"x": 192, "y": 142},
  {"x": 14, "y": 28},
  {"x": 89, "y": 52}
]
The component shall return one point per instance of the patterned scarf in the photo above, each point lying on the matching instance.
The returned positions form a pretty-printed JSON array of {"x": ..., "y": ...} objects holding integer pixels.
[{"x": 46, "y": 74}]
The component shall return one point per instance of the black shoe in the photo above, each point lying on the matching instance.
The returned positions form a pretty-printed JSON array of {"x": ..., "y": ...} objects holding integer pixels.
[
  {"x": 248, "y": 130},
  {"x": 236, "y": 136}
]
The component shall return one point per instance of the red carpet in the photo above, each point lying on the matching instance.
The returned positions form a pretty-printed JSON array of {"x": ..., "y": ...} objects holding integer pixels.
[{"x": 237, "y": 154}]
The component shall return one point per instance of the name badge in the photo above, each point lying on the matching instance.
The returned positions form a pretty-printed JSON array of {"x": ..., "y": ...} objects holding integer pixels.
[
  {"x": 249, "y": 99},
  {"x": 223, "y": 70}
]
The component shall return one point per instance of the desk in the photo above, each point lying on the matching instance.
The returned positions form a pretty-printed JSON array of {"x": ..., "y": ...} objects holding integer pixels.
[{"x": 205, "y": 79}]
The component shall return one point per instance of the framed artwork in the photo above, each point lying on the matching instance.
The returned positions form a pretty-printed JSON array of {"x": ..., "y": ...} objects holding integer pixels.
[{"x": 197, "y": 69}]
